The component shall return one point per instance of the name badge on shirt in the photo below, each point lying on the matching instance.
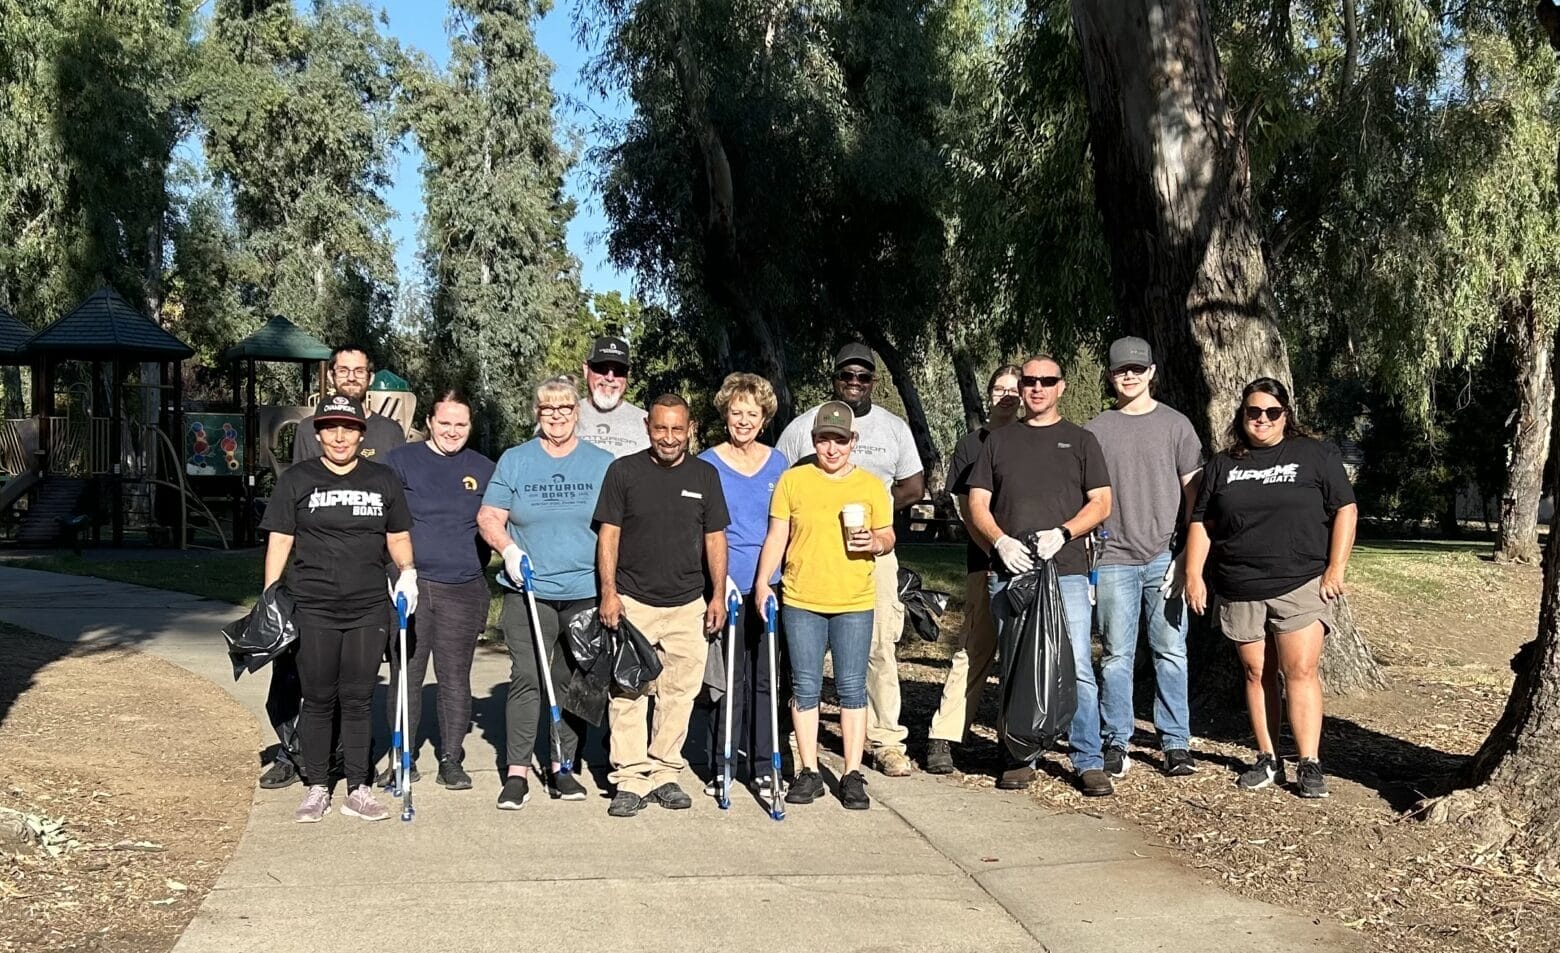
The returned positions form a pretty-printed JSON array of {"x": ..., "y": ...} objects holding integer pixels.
[{"x": 692, "y": 495}]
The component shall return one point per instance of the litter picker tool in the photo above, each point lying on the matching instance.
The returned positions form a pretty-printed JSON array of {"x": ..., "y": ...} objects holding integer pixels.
[
  {"x": 776, "y": 801},
  {"x": 1094, "y": 544},
  {"x": 728, "y": 756},
  {"x": 528, "y": 582},
  {"x": 401, "y": 737}
]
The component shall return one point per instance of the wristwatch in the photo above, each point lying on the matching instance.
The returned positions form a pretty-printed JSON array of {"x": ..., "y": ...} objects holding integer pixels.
[{"x": 1066, "y": 533}]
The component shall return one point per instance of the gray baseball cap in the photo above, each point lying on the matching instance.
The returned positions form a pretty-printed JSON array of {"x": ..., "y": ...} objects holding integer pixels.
[{"x": 1128, "y": 351}]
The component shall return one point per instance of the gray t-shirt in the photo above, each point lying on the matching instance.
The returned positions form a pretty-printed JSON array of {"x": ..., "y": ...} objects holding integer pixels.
[
  {"x": 885, "y": 447},
  {"x": 619, "y": 431},
  {"x": 1147, "y": 455}
]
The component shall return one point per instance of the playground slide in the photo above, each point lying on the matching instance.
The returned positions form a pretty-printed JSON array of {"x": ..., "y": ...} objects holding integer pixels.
[{"x": 17, "y": 487}]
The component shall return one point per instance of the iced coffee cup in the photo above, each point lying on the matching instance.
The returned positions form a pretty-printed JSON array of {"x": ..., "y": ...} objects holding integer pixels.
[{"x": 854, "y": 515}]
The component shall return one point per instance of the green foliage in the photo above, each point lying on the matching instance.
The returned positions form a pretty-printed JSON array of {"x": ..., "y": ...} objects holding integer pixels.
[{"x": 502, "y": 280}]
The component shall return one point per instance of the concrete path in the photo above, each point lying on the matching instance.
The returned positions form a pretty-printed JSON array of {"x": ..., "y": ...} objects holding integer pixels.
[{"x": 932, "y": 866}]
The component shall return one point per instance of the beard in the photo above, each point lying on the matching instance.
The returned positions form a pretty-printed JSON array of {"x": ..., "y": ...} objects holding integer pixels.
[{"x": 606, "y": 401}]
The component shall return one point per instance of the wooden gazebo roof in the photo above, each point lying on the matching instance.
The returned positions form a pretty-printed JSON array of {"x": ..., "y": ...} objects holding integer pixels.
[
  {"x": 13, "y": 335},
  {"x": 107, "y": 327},
  {"x": 278, "y": 340}
]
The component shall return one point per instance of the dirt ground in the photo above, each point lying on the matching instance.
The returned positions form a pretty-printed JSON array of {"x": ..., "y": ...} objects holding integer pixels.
[
  {"x": 1445, "y": 628},
  {"x": 139, "y": 805}
]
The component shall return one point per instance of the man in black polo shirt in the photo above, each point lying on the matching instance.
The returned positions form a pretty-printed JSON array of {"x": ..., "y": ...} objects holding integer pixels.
[
  {"x": 661, "y": 524},
  {"x": 1044, "y": 479}
]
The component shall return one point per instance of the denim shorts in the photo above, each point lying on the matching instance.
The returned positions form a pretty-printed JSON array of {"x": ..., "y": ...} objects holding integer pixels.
[{"x": 847, "y": 635}]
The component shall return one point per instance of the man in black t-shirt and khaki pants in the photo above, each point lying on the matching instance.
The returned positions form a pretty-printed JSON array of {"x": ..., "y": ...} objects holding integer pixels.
[
  {"x": 661, "y": 524},
  {"x": 1044, "y": 479}
]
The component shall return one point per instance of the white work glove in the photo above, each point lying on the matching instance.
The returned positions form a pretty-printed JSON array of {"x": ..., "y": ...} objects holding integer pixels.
[
  {"x": 406, "y": 585},
  {"x": 1014, "y": 555},
  {"x": 512, "y": 555},
  {"x": 1049, "y": 543},
  {"x": 1174, "y": 584}
]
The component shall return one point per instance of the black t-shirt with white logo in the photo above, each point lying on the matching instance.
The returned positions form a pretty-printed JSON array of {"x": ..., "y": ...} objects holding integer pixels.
[
  {"x": 1269, "y": 515},
  {"x": 1039, "y": 478},
  {"x": 664, "y": 513},
  {"x": 338, "y": 524}
]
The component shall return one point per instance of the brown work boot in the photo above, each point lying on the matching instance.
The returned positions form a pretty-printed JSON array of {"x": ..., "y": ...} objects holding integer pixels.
[{"x": 1016, "y": 779}]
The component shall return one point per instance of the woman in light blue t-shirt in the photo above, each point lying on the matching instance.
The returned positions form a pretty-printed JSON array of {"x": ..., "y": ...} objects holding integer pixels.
[
  {"x": 748, "y": 472},
  {"x": 540, "y": 502}
]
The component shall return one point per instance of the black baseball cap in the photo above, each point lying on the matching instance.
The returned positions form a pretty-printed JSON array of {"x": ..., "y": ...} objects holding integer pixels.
[
  {"x": 608, "y": 350},
  {"x": 854, "y": 353},
  {"x": 340, "y": 409},
  {"x": 1125, "y": 352}
]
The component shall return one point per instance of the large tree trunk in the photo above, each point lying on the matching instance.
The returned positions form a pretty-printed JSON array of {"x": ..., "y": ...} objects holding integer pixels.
[
  {"x": 915, "y": 412},
  {"x": 972, "y": 398},
  {"x": 1531, "y": 343},
  {"x": 1172, "y": 183},
  {"x": 1173, "y": 186}
]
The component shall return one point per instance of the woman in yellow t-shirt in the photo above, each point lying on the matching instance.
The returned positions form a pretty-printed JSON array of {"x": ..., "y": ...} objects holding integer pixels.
[{"x": 828, "y": 521}]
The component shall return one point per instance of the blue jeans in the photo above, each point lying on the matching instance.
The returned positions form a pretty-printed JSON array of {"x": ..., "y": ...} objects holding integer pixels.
[
  {"x": 1125, "y": 595},
  {"x": 848, "y": 635},
  {"x": 1084, "y": 735}
]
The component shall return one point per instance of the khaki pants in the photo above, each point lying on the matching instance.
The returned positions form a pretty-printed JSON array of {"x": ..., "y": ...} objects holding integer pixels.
[
  {"x": 971, "y": 663},
  {"x": 644, "y": 757},
  {"x": 888, "y": 622}
]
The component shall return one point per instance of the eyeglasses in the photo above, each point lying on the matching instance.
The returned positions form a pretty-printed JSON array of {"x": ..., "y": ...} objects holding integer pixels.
[
  {"x": 1136, "y": 370},
  {"x": 852, "y": 377},
  {"x": 555, "y": 410},
  {"x": 350, "y": 372},
  {"x": 609, "y": 370},
  {"x": 997, "y": 393},
  {"x": 1028, "y": 381},
  {"x": 1257, "y": 413}
]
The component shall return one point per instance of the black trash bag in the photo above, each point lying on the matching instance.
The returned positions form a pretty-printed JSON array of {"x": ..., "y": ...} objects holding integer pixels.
[
  {"x": 923, "y": 607},
  {"x": 617, "y": 660},
  {"x": 1039, "y": 682},
  {"x": 635, "y": 663},
  {"x": 266, "y": 632}
]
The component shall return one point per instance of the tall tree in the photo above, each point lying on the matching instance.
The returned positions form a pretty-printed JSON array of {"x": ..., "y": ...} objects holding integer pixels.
[{"x": 502, "y": 279}]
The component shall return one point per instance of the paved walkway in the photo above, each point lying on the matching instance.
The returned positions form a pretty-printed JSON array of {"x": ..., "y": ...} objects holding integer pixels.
[{"x": 932, "y": 866}]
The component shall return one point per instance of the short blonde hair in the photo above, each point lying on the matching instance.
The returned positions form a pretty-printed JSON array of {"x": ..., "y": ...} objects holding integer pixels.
[
  {"x": 564, "y": 386},
  {"x": 751, "y": 386}
]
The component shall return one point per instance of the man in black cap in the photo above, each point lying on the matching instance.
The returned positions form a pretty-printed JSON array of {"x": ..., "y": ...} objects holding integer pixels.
[
  {"x": 886, "y": 449},
  {"x": 350, "y": 372},
  {"x": 606, "y": 419}
]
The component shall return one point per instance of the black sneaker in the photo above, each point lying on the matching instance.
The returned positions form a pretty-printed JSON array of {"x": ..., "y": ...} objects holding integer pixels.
[
  {"x": 516, "y": 792},
  {"x": 1268, "y": 770},
  {"x": 806, "y": 789},
  {"x": 386, "y": 777},
  {"x": 567, "y": 787},
  {"x": 282, "y": 773},
  {"x": 671, "y": 797},
  {"x": 939, "y": 756},
  {"x": 1016, "y": 779},
  {"x": 853, "y": 792},
  {"x": 625, "y": 804},
  {"x": 1117, "y": 764},
  {"x": 1309, "y": 780},
  {"x": 1179, "y": 763},
  {"x": 453, "y": 776}
]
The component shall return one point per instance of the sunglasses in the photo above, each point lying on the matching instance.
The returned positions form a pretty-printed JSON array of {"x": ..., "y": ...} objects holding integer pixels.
[
  {"x": 609, "y": 370},
  {"x": 1136, "y": 370},
  {"x": 1257, "y": 413},
  {"x": 1028, "y": 381},
  {"x": 852, "y": 377}
]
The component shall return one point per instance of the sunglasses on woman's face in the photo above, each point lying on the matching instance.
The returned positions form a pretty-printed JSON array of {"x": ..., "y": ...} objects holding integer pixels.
[
  {"x": 1257, "y": 413},
  {"x": 1028, "y": 381}
]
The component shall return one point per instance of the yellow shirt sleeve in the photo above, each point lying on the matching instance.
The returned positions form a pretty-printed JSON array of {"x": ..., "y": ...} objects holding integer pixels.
[{"x": 780, "y": 499}]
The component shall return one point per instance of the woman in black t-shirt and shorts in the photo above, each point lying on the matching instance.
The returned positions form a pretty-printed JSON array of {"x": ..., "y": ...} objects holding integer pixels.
[
  {"x": 1277, "y": 515},
  {"x": 330, "y": 521}
]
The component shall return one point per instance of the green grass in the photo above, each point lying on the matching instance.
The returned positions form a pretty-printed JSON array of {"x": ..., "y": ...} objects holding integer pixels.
[
  {"x": 234, "y": 578},
  {"x": 941, "y": 566},
  {"x": 1417, "y": 570}
]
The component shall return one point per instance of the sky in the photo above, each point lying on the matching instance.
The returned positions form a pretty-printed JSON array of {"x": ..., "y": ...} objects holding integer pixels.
[{"x": 420, "y": 24}]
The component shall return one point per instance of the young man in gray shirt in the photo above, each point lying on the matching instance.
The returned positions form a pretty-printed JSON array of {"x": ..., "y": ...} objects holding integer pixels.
[
  {"x": 1154, "y": 458},
  {"x": 606, "y": 419}
]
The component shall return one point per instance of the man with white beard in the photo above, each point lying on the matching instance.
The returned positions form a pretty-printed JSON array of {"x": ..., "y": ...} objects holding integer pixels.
[{"x": 606, "y": 419}]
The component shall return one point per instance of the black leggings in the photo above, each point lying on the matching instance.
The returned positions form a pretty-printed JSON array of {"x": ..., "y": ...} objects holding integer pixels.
[
  {"x": 338, "y": 667},
  {"x": 448, "y": 621}
]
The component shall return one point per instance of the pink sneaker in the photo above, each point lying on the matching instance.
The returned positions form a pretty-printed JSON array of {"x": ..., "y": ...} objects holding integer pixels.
[
  {"x": 361, "y": 803},
  {"x": 316, "y": 804}
]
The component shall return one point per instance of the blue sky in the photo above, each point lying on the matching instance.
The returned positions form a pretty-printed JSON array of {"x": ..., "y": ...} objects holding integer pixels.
[{"x": 420, "y": 24}]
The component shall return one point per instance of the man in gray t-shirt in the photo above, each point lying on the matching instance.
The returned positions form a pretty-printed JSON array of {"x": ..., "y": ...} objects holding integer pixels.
[
  {"x": 1154, "y": 459},
  {"x": 885, "y": 448},
  {"x": 606, "y": 419}
]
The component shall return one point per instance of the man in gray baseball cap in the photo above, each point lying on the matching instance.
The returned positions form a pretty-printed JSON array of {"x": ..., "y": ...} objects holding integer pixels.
[{"x": 886, "y": 449}]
